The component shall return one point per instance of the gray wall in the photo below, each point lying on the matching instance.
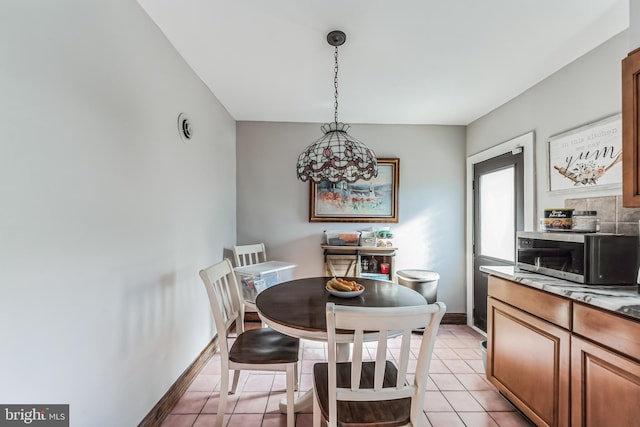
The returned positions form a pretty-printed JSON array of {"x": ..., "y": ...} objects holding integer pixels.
[
  {"x": 584, "y": 91},
  {"x": 634, "y": 24},
  {"x": 106, "y": 214},
  {"x": 273, "y": 206}
]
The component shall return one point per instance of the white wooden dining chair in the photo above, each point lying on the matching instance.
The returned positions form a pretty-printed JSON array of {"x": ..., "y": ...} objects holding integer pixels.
[
  {"x": 260, "y": 349},
  {"x": 375, "y": 391},
  {"x": 249, "y": 254}
]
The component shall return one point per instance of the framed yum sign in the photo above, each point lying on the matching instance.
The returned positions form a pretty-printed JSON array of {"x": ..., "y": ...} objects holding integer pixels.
[{"x": 586, "y": 157}]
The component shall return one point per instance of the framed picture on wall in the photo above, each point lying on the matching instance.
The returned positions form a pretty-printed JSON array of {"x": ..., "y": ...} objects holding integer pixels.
[
  {"x": 586, "y": 157},
  {"x": 363, "y": 201}
]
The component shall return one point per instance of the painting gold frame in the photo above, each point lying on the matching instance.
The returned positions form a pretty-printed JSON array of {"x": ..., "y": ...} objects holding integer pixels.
[{"x": 363, "y": 201}]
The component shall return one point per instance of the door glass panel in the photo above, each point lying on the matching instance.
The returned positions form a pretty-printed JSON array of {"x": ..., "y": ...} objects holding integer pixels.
[{"x": 497, "y": 206}]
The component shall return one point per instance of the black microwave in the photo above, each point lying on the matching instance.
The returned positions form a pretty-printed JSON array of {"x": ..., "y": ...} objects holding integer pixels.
[{"x": 590, "y": 258}]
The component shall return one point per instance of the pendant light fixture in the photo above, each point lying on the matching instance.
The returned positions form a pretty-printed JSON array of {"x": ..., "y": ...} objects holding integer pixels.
[{"x": 337, "y": 156}]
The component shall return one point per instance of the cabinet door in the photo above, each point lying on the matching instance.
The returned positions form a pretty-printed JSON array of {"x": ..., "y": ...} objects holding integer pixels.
[
  {"x": 528, "y": 361},
  {"x": 605, "y": 387},
  {"x": 342, "y": 265},
  {"x": 630, "y": 131}
]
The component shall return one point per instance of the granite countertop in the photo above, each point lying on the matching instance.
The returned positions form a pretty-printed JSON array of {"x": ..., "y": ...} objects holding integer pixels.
[{"x": 620, "y": 299}]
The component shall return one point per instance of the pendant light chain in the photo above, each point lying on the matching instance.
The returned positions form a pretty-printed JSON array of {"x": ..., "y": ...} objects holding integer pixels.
[
  {"x": 335, "y": 85},
  {"x": 337, "y": 157}
]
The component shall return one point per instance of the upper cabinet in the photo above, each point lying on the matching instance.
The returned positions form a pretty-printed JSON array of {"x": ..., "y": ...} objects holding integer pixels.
[{"x": 630, "y": 129}]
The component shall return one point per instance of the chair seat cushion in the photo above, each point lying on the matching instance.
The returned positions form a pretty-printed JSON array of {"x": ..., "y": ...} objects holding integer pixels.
[
  {"x": 264, "y": 345},
  {"x": 389, "y": 413}
]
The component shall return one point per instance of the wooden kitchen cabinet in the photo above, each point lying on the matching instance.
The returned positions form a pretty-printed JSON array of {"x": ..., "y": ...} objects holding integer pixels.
[
  {"x": 605, "y": 387},
  {"x": 630, "y": 129},
  {"x": 528, "y": 358},
  {"x": 605, "y": 377},
  {"x": 562, "y": 362}
]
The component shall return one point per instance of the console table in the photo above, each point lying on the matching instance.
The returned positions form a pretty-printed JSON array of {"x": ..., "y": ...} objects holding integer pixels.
[{"x": 348, "y": 260}]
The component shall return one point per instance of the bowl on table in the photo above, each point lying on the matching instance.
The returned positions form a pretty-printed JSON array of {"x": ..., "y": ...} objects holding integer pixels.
[{"x": 346, "y": 294}]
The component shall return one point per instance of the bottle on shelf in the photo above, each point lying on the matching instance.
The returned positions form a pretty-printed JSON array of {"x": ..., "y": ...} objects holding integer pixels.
[
  {"x": 373, "y": 265},
  {"x": 365, "y": 264}
]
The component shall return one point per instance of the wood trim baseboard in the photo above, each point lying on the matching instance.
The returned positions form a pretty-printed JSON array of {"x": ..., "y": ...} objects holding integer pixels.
[
  {"x": 251, "y": 316},
  {"x": 454, "y": 319},
  {"x": 156, "y": 416}
]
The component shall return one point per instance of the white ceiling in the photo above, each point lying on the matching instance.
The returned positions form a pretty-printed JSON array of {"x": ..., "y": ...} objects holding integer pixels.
[{"x": 404, "y": 61}]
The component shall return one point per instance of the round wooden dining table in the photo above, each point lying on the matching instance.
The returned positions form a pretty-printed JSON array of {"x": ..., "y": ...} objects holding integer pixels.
[{"x": 298, "y": 308}]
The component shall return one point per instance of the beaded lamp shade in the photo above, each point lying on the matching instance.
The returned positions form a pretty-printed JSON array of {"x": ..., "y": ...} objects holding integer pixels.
[{"x": 337, "y": 156}]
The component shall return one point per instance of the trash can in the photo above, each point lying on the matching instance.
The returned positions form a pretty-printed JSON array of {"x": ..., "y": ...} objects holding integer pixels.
[
  {"x": 483, "y": 349},
  {"x": 424, "y": 282}
]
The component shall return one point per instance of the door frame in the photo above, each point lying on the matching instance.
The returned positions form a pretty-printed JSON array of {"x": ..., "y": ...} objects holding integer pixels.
[{"x": 527, "y": 142}]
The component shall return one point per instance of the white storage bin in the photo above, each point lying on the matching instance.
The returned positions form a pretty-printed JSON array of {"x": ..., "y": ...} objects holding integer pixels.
[
  {"x": 342, "y": 238},
  {"x": 367, "y": 238},
  {"x": 257, "y": 277}
]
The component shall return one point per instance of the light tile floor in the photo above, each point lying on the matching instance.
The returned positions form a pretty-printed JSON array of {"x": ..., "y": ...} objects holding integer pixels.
[{"x": 457, "y": 395}]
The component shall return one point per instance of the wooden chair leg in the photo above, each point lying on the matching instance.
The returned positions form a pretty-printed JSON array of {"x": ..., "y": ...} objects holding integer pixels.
[
  {"x": 316, "y": 410},
  {"x": 222, "y": 401},
  {"x": 296, "y": 378},
  {"x": 291, "y": 382},
  {"x": 236, "y": 376}
]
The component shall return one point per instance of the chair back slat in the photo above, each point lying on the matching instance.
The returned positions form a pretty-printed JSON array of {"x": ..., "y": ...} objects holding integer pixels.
[
  {"x": 249, "y": 254},
  {"x": 405, "y": 348},
  {"x": 383, "y": 324},
  {"x": 357, "y": 357},
  {"x": 381, "y": 358}
]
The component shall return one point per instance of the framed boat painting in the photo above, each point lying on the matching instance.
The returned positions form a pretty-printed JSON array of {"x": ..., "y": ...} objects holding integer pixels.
[{"x": 363, "y": 201}]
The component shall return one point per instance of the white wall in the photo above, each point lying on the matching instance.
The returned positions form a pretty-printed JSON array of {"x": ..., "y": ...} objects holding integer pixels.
[
  {"x": 106, "y": 215},
  {"x": 584, "y": 91},
  {"x": 273, "y": 206}
]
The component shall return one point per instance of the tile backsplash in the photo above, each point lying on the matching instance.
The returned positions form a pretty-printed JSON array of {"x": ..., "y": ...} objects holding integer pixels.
[{"x": 614, "y": 218}]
